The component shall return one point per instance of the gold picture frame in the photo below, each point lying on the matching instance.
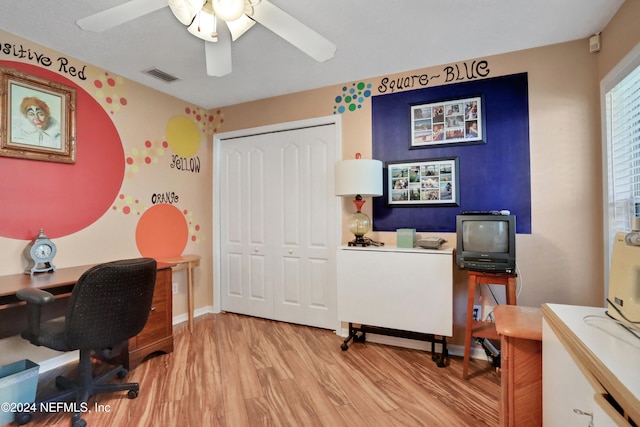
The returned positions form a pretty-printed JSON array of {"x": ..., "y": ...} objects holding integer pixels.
[{"x": 38, "y": 118}]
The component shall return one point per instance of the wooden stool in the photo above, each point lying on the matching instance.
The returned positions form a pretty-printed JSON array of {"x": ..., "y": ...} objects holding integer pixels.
[
  {"x": 186, "y": 262},
  {"x": 480, "y": 329}
]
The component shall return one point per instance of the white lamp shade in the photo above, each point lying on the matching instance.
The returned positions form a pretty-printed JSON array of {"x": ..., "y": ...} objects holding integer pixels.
[
  {"x": 240, "y": 26},
  {"x": 228, "y": 10},
  {"x": 185, "y": 10},
  {"x": 359, "y": 176}
]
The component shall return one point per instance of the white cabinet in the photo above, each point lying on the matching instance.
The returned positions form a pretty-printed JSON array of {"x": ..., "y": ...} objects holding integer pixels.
[
  {"x": 396, "y": 288},
  {"x": 586, "y": 357},
  {"x": 567, "y": 396}
]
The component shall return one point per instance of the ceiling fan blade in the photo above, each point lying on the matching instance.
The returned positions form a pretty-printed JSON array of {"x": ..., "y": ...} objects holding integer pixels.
[
  {"x": 110, "y": 18},
  {"x": 293, "y": 31},
  {"x": 218, "y": 54}
]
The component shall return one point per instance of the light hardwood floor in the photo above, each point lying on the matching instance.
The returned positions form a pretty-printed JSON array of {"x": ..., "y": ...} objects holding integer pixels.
[{"x": 240, "y": 371}]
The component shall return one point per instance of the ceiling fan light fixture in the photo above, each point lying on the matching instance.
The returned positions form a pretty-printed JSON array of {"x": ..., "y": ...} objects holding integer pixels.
[
  {"x": 228, "y": 10},
  {"x": 204, "y": 26},
  {"x": 185, "y": 10},
  {"x": 240, "y": 26}
]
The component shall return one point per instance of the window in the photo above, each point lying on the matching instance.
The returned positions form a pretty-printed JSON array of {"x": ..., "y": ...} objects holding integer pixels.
[{"x": 620, "y": 92}]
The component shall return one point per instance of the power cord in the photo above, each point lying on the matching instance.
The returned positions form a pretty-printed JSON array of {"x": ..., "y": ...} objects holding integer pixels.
[{"x": 490, "y": 350}]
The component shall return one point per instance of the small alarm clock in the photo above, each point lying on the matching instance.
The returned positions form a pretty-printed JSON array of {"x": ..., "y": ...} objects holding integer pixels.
[{"x": 39, "y": 254}]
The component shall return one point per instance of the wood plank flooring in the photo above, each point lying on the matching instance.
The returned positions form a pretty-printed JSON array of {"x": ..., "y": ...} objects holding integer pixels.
[{"x": 240, "y": 371}]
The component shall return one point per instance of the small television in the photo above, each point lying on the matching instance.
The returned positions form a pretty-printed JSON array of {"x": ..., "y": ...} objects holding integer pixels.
[{"x": 486, "y": 243}]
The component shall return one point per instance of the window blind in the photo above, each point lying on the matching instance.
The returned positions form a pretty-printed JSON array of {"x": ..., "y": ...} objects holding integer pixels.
[{"x": 623, "y": 150}]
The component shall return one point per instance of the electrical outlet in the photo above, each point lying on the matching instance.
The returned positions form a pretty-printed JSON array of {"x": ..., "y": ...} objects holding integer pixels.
[
  {"x": 477, "y": 312},
  {"x": 175, "y": 288}
]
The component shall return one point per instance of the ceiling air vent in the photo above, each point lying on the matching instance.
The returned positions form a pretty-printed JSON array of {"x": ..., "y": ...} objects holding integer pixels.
[{"x": 159, "y": 74}]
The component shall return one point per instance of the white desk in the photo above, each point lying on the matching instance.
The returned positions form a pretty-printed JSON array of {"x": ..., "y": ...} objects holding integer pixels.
[
  {"x": 586, "y": 357},
  {"x": 394, "y": 288}
]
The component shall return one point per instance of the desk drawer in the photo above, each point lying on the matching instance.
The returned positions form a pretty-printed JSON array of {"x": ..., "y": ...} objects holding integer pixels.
[{"x": 156, "y": 327}]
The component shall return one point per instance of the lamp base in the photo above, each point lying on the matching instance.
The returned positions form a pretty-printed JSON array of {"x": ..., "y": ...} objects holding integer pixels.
[
  {"x": 358, "y": 241},
  {"x": 363, "y": 242}
]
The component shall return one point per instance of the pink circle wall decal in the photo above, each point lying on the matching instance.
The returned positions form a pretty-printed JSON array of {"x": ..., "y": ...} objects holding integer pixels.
[
  {"x": 162, "y": 232},
  {"x": 63, "y": 198}
]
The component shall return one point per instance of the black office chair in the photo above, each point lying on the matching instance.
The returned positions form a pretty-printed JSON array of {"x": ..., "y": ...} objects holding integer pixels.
[{"x": 109, "y": 304}]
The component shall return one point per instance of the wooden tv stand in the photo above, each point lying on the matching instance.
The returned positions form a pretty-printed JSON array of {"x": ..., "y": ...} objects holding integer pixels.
[{"x": 475, "y": 328}]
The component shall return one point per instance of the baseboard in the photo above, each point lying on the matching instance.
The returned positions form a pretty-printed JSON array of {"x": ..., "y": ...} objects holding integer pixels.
[
  {"x": 184, "y": 317},
  {"x": 58, "y": 361}
]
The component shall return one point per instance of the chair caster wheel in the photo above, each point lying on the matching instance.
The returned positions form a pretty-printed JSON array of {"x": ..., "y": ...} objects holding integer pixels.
[
  {"x": 132, "y": 394},
  {"x": 23, "y": 417},
  {"x": 344, "y": 346},
  {"x": 122, "y": 374},
  {"x": 79, "y": 423}
]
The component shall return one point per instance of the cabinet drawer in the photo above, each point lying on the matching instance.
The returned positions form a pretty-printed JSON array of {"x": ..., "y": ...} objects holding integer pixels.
[
  {"x": 156, "y": 327},
  {"x": 159, "y": 295}
]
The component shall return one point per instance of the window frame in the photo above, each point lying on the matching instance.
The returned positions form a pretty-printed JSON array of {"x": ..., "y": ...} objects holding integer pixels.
[{"x": 629, "y": 63}]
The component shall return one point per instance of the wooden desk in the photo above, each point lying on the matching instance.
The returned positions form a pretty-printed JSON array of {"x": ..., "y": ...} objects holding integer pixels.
[
  {"x": 60, "y": 283},
  {"x": 186, "y": 262},
  {"x": 520, "y": 330},
  {"x": 475, "y": 328},
  {"x": 157, "y": 335}
]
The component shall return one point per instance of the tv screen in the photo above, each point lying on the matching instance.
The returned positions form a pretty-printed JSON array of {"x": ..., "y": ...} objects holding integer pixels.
[
  {"x": 486, "y": 242},
  {"x": 485, "y": 236}
]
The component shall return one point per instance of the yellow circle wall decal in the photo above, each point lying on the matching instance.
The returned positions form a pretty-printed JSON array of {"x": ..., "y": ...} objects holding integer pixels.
[{"x": 183, "y": 136}]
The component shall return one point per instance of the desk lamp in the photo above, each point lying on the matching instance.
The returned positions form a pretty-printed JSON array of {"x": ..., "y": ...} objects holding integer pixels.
[{"x": 359, "y": 177}]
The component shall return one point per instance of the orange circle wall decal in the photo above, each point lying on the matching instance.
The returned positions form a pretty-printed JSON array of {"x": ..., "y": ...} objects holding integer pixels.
[
  {"x": 162, "y": 232},
  {"x": 183, "y": 136}
]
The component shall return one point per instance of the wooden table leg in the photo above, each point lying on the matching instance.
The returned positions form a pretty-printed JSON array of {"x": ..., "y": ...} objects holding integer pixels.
[
  {"x": 471, "y": 291},
  {"x": 190, "y": 296},
  {"x": 511, "y": 291},
  {"x": 186, "y": 262}
]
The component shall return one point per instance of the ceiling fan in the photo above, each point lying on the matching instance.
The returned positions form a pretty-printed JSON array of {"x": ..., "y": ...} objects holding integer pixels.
[{"x": 203, "y": 19}]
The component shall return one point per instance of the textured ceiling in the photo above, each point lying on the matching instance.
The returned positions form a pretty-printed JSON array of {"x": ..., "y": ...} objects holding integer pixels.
[{"x": 373, "y": 38}]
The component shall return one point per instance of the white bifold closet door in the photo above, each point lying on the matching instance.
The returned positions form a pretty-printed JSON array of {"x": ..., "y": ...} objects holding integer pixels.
[{"x": 278, "y": 229}]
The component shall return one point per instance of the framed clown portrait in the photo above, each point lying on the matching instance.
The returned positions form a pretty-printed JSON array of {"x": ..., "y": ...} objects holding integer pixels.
[{"x": 38, "y": 118}]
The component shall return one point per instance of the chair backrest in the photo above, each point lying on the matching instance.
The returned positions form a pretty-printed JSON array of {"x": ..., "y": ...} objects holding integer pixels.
[{"x": 110, "y": 303}]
